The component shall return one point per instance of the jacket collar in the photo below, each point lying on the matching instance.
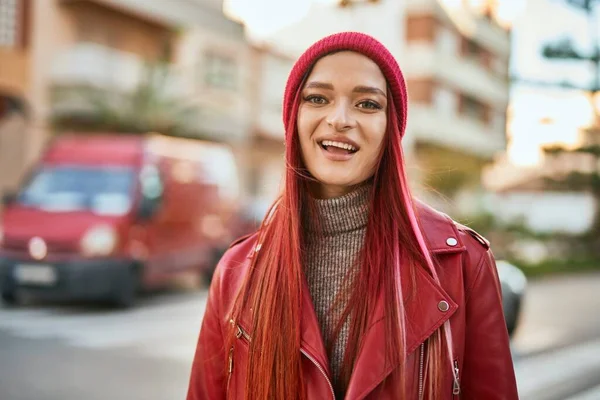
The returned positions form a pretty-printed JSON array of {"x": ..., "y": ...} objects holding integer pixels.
[{"x": 439, "y": 230}]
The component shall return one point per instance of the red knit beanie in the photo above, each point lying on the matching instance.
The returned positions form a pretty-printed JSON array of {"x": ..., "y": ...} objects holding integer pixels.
[{"x": 352, "y": 41}]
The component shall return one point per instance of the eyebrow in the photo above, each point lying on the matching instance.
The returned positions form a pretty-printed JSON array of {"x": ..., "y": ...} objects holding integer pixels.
[
  {"x": 369, "y": 89},
  {"x": 357, "y": 89}
]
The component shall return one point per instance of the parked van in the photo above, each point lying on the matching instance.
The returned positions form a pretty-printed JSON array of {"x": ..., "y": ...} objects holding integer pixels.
[{"x": 103, "y": 216}]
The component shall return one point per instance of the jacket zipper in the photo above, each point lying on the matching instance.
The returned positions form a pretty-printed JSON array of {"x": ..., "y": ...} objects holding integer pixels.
[
  {"x": 320, "y": 369},
  {"x": 230, "y": 369},
  {"x": 456, "y": 385},
  {"x": 421, "y": 372},
  {"x": 240, "y": 332}
]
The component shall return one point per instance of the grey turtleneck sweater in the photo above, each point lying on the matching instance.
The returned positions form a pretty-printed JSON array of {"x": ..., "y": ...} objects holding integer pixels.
[{"x": 330, "y": 261}]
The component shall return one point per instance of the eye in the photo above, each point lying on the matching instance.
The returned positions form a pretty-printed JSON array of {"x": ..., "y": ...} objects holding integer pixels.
[
  {"x": 316, "y": 99},
  {"x": 369, "y": 105}
]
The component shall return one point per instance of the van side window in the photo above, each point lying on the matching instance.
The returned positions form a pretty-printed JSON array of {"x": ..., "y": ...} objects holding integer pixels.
[{"x": 151, "y": 182}]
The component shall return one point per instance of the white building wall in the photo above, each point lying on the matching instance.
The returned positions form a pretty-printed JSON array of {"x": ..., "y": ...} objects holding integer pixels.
[
  {"x": 545, "y": 212},
  {"x": 441, "y": 126},
  {"x": 224, "y": 112}
]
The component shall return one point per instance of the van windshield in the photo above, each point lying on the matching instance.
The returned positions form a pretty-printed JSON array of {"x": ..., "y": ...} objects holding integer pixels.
[{"x": 102, "y": 190}]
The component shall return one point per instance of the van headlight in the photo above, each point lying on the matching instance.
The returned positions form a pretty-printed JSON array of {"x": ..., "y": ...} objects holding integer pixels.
[{"x": 99, "y": 241}]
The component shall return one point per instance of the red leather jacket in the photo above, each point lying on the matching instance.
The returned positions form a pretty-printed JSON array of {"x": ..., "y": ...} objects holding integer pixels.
[{"x": 469, "y": 296}]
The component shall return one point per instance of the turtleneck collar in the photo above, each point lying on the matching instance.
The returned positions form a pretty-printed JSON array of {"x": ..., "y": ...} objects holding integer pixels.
[{"x": 340, "y": 214}]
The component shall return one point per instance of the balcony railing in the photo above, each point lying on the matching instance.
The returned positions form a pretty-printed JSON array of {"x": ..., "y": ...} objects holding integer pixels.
[
  {"x": 424, "y": 60},
  {"x": 96, "y": 65},
  {"x": 458, "y": 132}
]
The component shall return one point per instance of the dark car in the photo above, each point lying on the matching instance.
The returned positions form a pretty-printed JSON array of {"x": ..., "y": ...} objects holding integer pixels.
[{"x": 514, "y": 283}]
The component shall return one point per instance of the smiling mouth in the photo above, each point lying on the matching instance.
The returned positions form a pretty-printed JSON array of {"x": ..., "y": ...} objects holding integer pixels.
[{"x": 337, "y": 147}]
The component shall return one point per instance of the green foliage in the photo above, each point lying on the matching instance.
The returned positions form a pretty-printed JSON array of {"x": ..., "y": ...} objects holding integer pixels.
[
  {"x": 575, "y": 181},
  {"x": 593, "y": 149},
  {"x": 554, "y": 149},
  {"x": 555, "y": 267},
  {"x": 562, "y": 49}
]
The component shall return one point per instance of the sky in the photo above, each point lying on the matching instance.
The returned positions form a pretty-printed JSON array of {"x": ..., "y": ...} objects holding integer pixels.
[
  {"x": 544, "y": 116},
  {"x": 266, "y": 17},
  {"x": 539, "y": 116}
]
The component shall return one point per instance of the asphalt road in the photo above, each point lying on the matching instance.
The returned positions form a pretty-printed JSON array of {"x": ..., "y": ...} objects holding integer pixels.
[{"x": 67, "y": 352}]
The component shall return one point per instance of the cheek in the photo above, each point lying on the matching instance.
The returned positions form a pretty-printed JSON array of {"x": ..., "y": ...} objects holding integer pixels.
[
  {"x": 306, "y": 124},
  {"x": 376, "y": 136}
]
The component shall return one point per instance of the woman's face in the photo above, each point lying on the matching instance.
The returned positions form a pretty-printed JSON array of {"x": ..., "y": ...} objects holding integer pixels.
[{"x": 342, "y": 122}]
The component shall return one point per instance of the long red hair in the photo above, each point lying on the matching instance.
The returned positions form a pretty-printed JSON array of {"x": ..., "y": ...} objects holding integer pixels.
[{"x": 272, "y": 289}]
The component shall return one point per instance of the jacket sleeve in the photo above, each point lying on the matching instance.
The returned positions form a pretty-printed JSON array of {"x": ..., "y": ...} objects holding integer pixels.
[
  {"x": 209, "y": 368},
  {"x": 488, "y": 371}
]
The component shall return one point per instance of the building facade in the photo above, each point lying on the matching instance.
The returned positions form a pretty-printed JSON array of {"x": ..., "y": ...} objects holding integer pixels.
[{"x": 50, "y": 47}]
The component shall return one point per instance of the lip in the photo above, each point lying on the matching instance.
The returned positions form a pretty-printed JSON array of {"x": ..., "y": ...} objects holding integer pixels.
[{"x": 338, "y": 157}]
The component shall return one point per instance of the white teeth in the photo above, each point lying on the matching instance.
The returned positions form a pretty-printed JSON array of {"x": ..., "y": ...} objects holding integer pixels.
[{"x": 340, "y": 145}]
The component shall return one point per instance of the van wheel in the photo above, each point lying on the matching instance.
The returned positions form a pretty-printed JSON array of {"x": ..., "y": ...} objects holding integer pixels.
[
  {"x": 127, "y": 290},
  {"x": 10, "y": 298}
]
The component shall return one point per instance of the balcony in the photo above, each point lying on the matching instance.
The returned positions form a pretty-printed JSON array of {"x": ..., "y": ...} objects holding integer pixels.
[
  {"x": 96, "y": 65},
  {"x": 91, "y": 64},
  {"x": 205, "y": 13},
  {"x": 221, "y": 114},
  {"x": 454, "y": 131},
  {"x": 470, "y": 24},
  {"x": 425, "y": 60},
  {"x": 14, "y": 71}
]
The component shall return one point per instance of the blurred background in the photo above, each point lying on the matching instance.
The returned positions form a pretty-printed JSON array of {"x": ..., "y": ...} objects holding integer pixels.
[{"x": 138, "y": 138}]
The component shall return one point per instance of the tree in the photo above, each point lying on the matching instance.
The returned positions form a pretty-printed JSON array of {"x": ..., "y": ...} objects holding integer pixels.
[
  {"x": 566, "y": 49},
  {"x": 146, "y": 108}
]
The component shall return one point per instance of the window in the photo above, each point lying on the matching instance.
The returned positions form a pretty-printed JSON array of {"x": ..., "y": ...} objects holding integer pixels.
[
  {"x": 473, "y": 108},
  {"x": 102, "y": 190},
  {"x": 151, "y": 182},
  {"x": 220, "y": 71},
  {"x": 474, "y": 52},
  {"x": 9, "y": 17},
  {"x": 471, "y": 49}
]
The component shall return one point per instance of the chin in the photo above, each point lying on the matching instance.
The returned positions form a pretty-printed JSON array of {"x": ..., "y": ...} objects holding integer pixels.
[{"x": 331, "y": 178}]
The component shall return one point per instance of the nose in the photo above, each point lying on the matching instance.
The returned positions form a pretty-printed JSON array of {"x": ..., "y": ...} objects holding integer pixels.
[{"x": 340, "y": 118}]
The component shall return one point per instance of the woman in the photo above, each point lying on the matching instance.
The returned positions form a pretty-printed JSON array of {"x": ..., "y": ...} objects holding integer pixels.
[{"x": 351, "y": 289}]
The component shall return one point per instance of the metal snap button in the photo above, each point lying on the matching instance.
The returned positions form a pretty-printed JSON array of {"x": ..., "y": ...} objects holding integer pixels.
[
  {"x": 443, "y": 306},
  {"x": 451, "y": 241}
]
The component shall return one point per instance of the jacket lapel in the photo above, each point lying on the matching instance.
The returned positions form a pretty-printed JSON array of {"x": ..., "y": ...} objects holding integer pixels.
[
  {"x": 421, "y": 301},
  {"x": 312, "y": 340},
  {"x": 423, "y": 317}
]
